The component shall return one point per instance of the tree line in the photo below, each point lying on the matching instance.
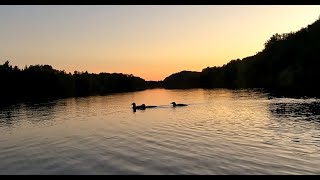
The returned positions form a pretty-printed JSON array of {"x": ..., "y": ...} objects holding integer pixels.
[{"x": 42, "y": 82}]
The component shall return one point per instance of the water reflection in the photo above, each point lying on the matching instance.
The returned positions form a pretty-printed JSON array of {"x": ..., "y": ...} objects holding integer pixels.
[
  {"x": 31, "y": 112},
  {"x": 298, "y": 109},
  {"x": 8, "y": 114},
  {"x": 220, "y": 132}
]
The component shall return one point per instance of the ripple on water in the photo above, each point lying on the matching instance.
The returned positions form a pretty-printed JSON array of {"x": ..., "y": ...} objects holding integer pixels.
[{"x": 220, "y": 132}]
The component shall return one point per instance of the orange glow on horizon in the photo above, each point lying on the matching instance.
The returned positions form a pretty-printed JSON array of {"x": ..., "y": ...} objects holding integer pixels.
[{"x": 151, "y": 42}]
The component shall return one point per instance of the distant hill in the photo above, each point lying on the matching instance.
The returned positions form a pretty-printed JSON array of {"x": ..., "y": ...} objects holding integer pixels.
[
  {"x": 183, "y": 79},
  {"x": 154, "y": 84}
]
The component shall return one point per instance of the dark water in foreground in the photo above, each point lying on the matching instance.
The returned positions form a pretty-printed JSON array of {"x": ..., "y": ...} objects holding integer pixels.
[{"x": 220, "y": 132}]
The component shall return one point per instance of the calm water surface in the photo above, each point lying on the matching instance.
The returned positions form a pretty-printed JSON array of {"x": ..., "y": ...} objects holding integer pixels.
[{"x": 220, "y": 132}]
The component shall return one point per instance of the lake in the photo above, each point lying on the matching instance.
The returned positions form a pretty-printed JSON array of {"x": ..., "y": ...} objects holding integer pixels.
[{"x": 220, "y": 132}]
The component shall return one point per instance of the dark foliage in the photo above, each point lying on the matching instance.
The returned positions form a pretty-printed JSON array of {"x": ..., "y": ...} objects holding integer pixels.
[
  {"x": 42, "y": 82},
  {"x": 183, "y": 80}
]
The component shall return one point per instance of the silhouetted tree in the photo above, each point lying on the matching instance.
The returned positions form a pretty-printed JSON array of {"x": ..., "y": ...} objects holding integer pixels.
[{"x": 42, "y": 82}]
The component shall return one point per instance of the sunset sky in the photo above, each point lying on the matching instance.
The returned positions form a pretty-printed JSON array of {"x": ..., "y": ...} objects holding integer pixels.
[{"x": 151, "y": 42}]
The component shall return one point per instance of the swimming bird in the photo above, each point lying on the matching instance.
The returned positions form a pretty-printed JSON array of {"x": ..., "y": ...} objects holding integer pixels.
[
  {"x": 174, "y": 104},
  {"x": 134, "y": 106}
]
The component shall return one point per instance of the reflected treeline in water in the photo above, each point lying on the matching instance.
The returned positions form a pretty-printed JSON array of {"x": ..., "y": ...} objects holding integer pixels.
[
  {"x": 219, "y": 132},
  {"x": 32, "y": 112},
  {"x": 288, "y": 65},
  {"x": 302, "y": 109},
  {"x": 8, "y": 114},
  {"x": 46, "y": 110}
]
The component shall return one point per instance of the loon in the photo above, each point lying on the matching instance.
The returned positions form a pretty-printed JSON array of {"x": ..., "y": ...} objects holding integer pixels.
[
  {"x": 134, "y": 106},
  {"x": 174, "y": 104}
]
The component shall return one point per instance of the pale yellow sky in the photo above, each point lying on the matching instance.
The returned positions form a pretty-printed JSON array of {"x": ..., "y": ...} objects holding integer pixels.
[{"x": 148, "y": 41}]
